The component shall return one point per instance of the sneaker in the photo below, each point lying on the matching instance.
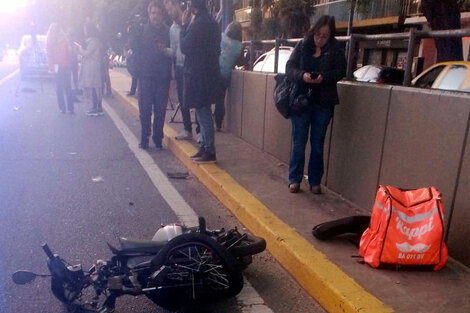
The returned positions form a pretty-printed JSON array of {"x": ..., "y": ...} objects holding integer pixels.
[
  {"x": 206, "y": 158},
  {"x": 99, "y": 112},
  {"x": 294, "y": 187},
  {"x": 92, "y": 112},
  {"x": 184, "y": 135},
  {"x": 198, "y": 154},
  {"x": 199, "y": 137},
  {"x": 316, "y": 190}
]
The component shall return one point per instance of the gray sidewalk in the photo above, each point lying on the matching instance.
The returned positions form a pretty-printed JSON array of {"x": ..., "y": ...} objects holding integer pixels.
[{"x": 252, "y": 184}]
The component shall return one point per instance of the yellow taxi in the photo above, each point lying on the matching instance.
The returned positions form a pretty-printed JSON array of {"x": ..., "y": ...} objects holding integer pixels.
[{"x": 453, "y": 75}]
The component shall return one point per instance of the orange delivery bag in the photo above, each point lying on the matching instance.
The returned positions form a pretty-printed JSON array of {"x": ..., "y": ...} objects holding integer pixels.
[{"x": 406, "y": 228}]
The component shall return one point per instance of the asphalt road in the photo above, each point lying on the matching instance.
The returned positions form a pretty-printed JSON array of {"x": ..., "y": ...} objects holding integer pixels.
[{"x": 72, "y": 181}]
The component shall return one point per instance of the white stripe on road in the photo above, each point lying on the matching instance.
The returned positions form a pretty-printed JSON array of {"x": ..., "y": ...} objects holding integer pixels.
[
  {"x": 183, "y": 211},
  {"x": 4, "y": 80},
  {"x": 248, "y": 299}
]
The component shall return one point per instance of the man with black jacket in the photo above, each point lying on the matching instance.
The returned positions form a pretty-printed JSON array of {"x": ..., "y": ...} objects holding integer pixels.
[
  {"x": 200, "y": 43},
  {"x": 154, "y": 73}
]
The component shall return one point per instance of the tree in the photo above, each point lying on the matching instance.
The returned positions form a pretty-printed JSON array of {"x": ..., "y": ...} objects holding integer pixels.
[
  {"x": 294, "y": 16},
  {"x": 289, "y": 18}
]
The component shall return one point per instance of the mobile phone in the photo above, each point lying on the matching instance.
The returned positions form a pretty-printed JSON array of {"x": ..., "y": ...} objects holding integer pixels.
[{"x": 314, "y": 75}]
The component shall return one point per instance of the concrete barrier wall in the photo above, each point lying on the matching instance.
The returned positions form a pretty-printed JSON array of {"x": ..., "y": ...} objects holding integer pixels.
[
  {"x": 277, "y": 130},
  {"x": 380, "y": 134},
  {"x": 357, "y": 140},
  {"x": 254, "y": 103}
]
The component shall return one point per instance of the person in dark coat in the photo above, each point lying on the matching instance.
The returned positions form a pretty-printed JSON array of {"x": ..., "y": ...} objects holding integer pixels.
[
  {"x": 154, "y": 73},
  {"x": 316, "y": 64},
  {"x": 200, "y": 43}
]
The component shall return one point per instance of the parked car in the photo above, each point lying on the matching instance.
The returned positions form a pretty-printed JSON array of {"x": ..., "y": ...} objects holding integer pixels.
[
  {"x": 379, "y": 74},
  {"x": 453, "y": 75},
  {"x": 265, "y": 63},
  {"x": 32, "y": 56}
]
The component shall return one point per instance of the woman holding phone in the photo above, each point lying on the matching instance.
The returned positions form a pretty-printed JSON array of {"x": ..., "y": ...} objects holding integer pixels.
[{"x": 316, "y": 64}]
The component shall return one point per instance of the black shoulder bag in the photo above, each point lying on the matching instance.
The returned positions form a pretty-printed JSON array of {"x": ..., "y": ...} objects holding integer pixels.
[{"x": 288, "y": 98}]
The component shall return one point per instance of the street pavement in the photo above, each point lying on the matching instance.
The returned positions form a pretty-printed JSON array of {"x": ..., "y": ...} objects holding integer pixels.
[
  {"x": 77, "y": 182},
  {"x": 252, "y": 184}
]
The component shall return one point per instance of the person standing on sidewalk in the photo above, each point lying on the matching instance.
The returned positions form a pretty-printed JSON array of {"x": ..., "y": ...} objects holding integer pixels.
[
  {"x": 200, "y": 43},
  {"x": 316, "y": 64},
  {"x": 154, "y": 75},
  {"x": 58, "y": 50},
  {"x": 231, "y": 47},
  {"x": 173, "y": 7},
  {"x": 90, "y": 74}
]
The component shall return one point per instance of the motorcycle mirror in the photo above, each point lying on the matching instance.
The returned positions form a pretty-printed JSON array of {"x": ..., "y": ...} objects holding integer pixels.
[{"x": 23, "y": 277}]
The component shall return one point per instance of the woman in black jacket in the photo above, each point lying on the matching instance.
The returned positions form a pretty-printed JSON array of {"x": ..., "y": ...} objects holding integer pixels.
[{"x": 316, "y": 64}]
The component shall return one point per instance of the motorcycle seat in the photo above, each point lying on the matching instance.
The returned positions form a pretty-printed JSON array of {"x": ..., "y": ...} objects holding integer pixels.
[{"x": 134, "y": 246}]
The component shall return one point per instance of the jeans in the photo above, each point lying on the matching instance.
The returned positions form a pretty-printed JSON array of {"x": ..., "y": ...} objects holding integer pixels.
[
  {"x": 63, "y": 79},
  {"x": 153, "y": 96},
  {"x": 204, "y": 116},
  {"x": 219, "y": 112},
  {"x": 317, "y": 119},
  {"x": 184, "y": 110}
]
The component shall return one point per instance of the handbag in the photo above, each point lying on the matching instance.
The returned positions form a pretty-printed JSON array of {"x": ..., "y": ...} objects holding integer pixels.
[
  {"x": 406, "y": 228},
  {"x": 287, "y": 97}
]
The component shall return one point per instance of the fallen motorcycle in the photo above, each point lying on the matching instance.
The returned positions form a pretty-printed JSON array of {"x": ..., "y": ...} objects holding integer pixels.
[{"x": 180, "y": 266}]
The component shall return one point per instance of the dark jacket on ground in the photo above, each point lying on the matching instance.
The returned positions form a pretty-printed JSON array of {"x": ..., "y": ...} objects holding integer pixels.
[
  {"x": 331, "y": 64},
  {"x": 200, "y": 43},
  {"x": 151, "y": 63}
]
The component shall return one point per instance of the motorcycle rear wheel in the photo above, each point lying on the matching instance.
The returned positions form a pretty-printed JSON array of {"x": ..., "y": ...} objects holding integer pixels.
[{"x": 197, "y": 270}]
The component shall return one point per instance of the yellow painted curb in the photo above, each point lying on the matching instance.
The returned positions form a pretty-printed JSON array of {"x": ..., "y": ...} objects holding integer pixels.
[{"x": 323, "y": 280}]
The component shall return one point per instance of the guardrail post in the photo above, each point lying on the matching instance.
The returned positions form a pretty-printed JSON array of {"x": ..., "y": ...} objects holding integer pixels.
[
  {"x": 351, "y": 51},
  {"x": 276, "y": 55},
  {"x": 409, "y": 58},
  {"x": 252, "y": 57}
]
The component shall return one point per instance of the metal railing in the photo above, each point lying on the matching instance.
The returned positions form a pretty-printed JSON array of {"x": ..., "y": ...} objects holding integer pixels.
[
  {"x": 412, "y": 37},
  {"x": 277, "y": 44},
  {"x": 352, "y": 41}
]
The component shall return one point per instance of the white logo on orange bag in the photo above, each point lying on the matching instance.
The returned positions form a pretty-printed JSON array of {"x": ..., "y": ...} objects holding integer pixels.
[
  {"x": 415, "y": 232},
  {"x": 406, "y": 247}
]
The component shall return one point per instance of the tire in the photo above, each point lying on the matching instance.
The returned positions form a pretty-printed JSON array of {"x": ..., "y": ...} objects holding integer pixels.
[
  {"x": 57, "y": 289},
  {"x": 349, "y": 225},
  {"x": 194, "y": 259},
  {"x": 249, "y": 246}
]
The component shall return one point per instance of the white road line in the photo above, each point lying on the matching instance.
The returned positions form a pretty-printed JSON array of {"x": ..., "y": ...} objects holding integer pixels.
[
  {"x": 4, "y": 80},
  {"x": 248, "y": 299},
  {"x": 181, "y": 208}
]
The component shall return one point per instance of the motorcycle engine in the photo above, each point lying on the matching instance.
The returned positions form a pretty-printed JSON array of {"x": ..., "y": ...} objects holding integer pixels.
[{"x": 168, "y": 232}]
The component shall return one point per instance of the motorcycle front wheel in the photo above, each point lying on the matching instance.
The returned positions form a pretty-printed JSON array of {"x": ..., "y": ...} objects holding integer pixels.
[{"x": 195, "y": 269}]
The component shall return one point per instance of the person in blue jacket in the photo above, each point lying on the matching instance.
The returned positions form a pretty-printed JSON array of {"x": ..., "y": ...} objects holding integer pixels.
[{"x": 230, "y": 49}]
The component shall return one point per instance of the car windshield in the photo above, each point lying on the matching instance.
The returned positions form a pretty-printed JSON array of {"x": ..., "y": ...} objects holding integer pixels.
[{"x": 454, "y": 78}]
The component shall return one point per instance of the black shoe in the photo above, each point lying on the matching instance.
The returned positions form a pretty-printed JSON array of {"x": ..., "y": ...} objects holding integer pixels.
[
  {"x": 144, "y": 145},
  {"x": 206, "y": 158},
  {"x": 198, "y": 154},
  {"x": 129, "y": 94}
]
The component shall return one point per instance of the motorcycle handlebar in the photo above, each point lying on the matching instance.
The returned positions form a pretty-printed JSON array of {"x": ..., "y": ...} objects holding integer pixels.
[{"x": 47, "y": 250}]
